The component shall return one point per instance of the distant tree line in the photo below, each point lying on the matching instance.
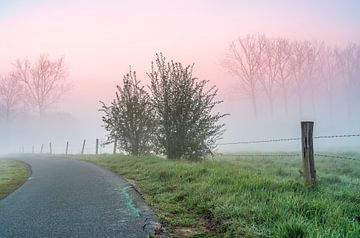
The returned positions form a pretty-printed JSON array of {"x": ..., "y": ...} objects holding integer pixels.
[
  {"x": 280, "y": 68},
  {"x": 32, "y": 87},
  {"x": 176, "y": 117}
]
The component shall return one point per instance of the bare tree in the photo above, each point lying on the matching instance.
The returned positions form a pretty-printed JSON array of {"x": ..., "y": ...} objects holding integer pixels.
[
  {"x": 271, "y": 70},
  {"x": 44, "y": 81},
  {"x": 312, "y": 68},
  {"x": 283, "y": 55},
  {"x": 298, "y": 61},
  {"x": 11, "y": 93},
  {"x": 350, "y": 67},
  {"x": 330, "y": 71},
  {"x": 243, "y": 60}
]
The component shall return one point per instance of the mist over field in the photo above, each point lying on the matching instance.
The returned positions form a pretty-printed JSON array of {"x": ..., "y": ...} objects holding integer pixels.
[{"x": 98, "y": 41}]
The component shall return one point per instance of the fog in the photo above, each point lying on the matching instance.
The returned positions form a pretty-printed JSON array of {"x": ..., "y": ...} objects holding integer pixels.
[{"x": 98, "y": 41}]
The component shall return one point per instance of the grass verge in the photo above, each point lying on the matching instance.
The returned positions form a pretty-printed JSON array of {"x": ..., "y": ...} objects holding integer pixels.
[
  {"x": 12, "y": 175},
  {"x": 233, "y": 196}
]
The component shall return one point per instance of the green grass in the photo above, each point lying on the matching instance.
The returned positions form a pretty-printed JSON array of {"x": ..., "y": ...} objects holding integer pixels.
[
  {"x": 251, "y": 196},
  {"x": 12, "y": 175}
]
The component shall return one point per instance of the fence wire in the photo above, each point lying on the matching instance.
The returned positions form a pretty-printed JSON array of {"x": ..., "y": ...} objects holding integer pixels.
[
  {"x": 291, "y": 139},
  {"x": 336, "y": 157},
  {"x": 260, "y": 141},
  {"x": 267, "y": 155},
  {"x": 295, "y": 155},
  {"x": 336, "y": 136},
  {"x": 288, "y": 139}
]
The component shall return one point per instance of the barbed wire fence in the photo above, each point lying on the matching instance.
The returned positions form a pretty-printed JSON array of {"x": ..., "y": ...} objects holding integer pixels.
[
  {"x": 89, "y": 147},
  {"x": 103, "y": 146},
  {"x": 307, "y": 149}
]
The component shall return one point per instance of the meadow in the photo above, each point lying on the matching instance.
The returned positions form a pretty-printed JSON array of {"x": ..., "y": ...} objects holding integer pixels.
[
  {"x": 12, "y": 175},
  {"x": 246, "y": 195}
]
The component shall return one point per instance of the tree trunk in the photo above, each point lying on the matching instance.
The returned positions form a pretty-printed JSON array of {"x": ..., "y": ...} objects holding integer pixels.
[
  {"x": 300, "y": 104},
  {"x": 331, "y": 103},
  {"x": 7, "y": 115},
  {"x": 269, "y": 95},
  {"x": 41, "y": 114},
  {"x": 253, "y": 99},
  {"x": 271, "y": 101},
  {"x": 313, "y": 102},
  {"x": 285, "y": 98}
]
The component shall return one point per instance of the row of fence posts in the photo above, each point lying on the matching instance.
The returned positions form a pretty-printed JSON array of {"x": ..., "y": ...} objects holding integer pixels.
[{"x": 97, "y": 144}]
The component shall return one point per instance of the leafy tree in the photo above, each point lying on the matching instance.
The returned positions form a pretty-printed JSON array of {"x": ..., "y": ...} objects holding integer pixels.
[
  {"x": 186, "y": 125},
  {"x": 129, "y": 118}
]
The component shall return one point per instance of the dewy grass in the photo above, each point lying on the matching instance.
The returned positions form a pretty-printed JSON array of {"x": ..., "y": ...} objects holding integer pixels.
[
  {"x": 12, "y": 175},
  {"x": 251, "y": 196}
]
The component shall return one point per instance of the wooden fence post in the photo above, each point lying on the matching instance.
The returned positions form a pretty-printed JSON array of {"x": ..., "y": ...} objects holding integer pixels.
[
  {"x": 97, "y": 146},
  {"x": 50, "y": 148},
  {"x": 308, "y": 152},
  {"x": 67, "y": 147},
  {"x": 115, "y": 145},
  {"x": 83, "y": 147},
  {"x": 42, "y": 147}
]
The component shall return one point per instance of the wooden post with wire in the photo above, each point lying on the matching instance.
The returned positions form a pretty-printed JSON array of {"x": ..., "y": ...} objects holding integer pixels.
[
  {"x": 115, "y": 145},
  {"x": 308, "y": 152},
  {"x": 97, "y": 147},
  {"x": 67, "y": 148},
  {"x": 50, "y": 147},
  {"x": 83, "y": 147}
]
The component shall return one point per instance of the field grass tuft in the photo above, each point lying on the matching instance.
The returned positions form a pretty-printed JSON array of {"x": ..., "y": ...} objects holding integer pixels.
[
  {"x": 247, "y": 196},
  {"x": 12, "y": 175}
]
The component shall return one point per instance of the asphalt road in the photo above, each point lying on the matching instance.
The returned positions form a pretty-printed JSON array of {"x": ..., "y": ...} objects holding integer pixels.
[{"x": 70, "y": 198}]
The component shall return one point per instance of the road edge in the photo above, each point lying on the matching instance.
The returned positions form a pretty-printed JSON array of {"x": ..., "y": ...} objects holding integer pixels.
[
  {"x": 152, "y": 227},
  {"x": 28, "y": 168}
]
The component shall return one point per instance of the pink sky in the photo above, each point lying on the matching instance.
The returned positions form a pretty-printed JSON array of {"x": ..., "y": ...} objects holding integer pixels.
[{"x": 100, "y": 39}]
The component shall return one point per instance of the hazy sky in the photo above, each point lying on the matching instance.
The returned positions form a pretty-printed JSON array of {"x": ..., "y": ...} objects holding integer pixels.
[{"x": 100, "y": 39}]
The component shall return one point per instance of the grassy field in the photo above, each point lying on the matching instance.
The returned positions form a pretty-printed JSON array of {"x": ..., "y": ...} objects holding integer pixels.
[
  {"x": 247, "y": 196},
  {"x": 12, "y": 175}
]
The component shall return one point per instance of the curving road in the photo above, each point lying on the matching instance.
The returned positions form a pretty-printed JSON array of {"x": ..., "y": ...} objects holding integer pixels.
[{"x": 70, "y": 198}]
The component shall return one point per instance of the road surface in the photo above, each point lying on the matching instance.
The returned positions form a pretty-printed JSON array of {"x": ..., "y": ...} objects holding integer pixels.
[{"x": 71, "y": 198}]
